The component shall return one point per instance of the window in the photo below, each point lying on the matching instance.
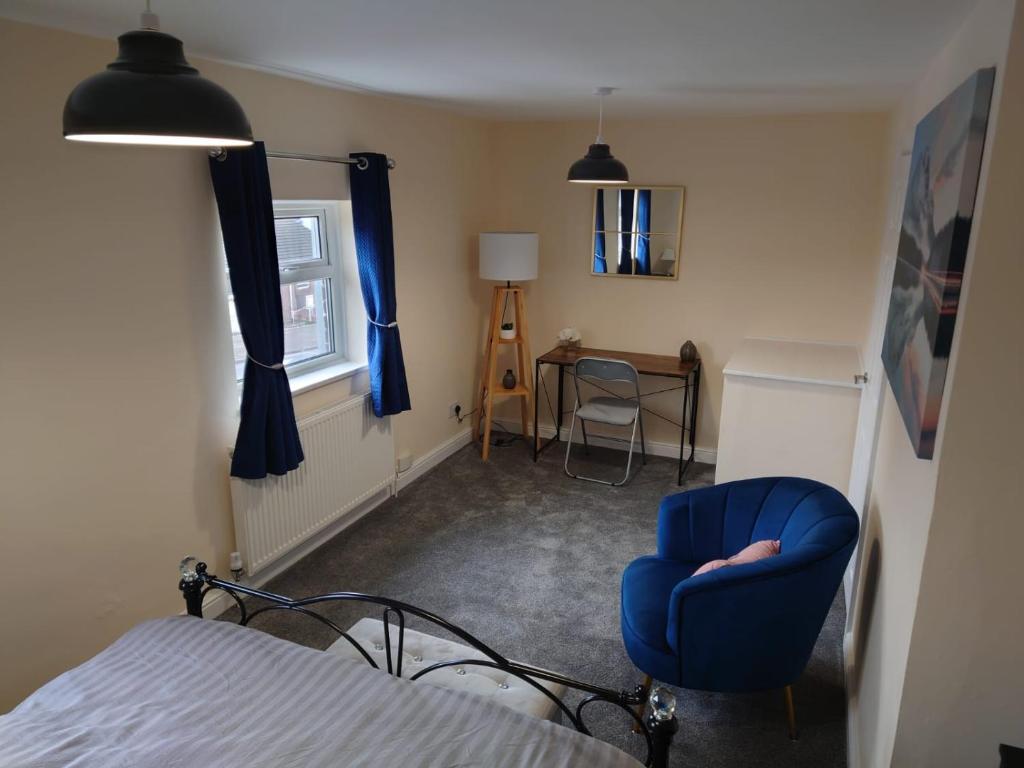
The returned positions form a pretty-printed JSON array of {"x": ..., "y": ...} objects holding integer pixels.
[{"x": 309, "y": 256}]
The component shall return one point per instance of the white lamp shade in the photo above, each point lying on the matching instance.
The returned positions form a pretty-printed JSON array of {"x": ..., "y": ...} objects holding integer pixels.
[{"x": 508, "y": 256}]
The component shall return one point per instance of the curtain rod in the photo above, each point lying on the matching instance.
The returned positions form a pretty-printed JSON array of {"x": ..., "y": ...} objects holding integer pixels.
[{"x": 219, "y": 153}]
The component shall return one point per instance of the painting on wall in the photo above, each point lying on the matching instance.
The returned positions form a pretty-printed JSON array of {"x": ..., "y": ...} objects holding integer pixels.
[{"x": 934, "y": 234}]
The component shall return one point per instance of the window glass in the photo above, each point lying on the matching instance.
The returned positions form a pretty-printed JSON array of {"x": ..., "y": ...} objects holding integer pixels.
[
  {"x": 298, "y": 239},
  {"x": 308, "y": 323},
  {"x": 310, "y": 282}
]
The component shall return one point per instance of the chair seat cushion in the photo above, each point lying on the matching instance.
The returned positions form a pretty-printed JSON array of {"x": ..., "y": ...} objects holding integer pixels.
[
  {"x": 608, "y": 410},
  {"x": 420, "y": 650},
  {"x": 647, "y": 584}
]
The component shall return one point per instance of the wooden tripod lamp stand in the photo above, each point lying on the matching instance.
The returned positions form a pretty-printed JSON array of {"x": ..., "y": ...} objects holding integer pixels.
[{"x": 506, "y": 257}]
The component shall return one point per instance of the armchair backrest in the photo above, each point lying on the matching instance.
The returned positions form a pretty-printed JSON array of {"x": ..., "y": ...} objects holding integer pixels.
[{"x": 717, "y": 522}]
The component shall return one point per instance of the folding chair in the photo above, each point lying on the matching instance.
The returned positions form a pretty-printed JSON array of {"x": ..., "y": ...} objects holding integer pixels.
[{"x": 613, "y": 411}]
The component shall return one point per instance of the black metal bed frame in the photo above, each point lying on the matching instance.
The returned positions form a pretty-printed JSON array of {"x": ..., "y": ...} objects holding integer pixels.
[{"x": 658, "y": 728}]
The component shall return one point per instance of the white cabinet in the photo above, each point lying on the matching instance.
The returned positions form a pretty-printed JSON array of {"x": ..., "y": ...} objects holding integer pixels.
[{"x": 789, "y": 408}]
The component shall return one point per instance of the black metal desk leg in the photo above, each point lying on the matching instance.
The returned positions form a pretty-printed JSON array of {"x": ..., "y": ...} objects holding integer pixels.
[
  {"x": 536, "y": 389},
  {"x": 682, "y": 429},
  {"x": 694, "y": 410},
  {"x": 561, "y": 381}
]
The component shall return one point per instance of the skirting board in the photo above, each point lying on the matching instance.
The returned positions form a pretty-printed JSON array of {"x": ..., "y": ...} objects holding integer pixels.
[
  {"x": 654, "y": 448},
  {"x": 428, "y": 461}
]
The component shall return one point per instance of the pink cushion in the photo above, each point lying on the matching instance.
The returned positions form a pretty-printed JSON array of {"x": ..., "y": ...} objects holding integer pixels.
[
  {"x": 759, "y": 550},
  {"x": 710, "y": 566}
]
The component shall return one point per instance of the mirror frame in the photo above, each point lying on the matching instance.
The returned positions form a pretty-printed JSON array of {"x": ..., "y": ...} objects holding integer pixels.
[{"x": 679, "y": 229}]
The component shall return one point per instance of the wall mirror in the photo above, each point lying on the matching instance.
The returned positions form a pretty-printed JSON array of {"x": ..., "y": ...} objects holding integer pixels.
[{"x": 637, "y": 231}]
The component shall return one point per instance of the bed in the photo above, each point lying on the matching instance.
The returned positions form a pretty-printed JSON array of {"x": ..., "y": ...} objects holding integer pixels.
[{"x": 187, "y": 691}]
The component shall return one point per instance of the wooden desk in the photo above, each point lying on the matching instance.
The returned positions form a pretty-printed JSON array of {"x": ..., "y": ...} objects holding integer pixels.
[{"x": 667, "y": 366}]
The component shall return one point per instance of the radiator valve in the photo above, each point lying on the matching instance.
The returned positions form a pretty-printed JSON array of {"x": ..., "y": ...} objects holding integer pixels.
[{"x": 235, "y": 563}]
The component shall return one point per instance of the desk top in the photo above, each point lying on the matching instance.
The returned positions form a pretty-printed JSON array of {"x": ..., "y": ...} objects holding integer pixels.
[{"x": 650, "y": 365}]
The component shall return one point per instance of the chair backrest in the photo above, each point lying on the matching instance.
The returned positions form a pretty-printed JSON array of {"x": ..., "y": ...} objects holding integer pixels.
[{"x": 605, "y": 369}]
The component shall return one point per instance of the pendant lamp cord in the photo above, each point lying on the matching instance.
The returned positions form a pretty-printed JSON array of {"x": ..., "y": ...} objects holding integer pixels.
[
  {"x": 600, "y": 120},
  {"x": 150, "y": 20}
]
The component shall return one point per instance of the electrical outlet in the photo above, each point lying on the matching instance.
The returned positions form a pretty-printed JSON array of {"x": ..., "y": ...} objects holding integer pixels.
[{"x": 453, "y": 410}]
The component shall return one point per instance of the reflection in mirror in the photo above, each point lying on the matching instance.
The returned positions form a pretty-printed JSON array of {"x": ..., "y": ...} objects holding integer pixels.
[{"x": 637, "y": 231}]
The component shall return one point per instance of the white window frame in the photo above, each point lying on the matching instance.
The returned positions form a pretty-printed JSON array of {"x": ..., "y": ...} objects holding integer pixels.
[{"x": 328, "y": 214}]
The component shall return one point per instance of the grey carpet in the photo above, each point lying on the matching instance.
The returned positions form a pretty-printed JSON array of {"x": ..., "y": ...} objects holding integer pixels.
[{"x": 529, "y": 561}]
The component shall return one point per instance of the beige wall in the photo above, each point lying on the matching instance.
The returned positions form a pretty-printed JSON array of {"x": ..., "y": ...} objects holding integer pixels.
[
  {"x": 117, "y": 384},
  {"x": 965, "y": 661},
  {"x": 936, "y": 674},
  {"x": 780, "y": 236}
]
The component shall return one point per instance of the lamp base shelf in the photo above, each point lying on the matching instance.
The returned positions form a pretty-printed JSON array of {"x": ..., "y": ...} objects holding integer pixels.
[
  {"x": 484, "y": 412},
  {"x": 517, "y": 391}
]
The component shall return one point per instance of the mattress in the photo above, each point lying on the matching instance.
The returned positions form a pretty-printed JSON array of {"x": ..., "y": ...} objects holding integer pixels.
[{"x": 185, "y": 692}]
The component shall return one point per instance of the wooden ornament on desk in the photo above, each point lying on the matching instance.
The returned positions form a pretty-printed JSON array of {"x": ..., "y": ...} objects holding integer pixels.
[{"x": 688, "y": 352}]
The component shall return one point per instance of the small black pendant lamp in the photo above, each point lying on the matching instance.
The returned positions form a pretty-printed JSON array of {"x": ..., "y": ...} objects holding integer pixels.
[
  {"x": 150, "y": 95},
  {"x": 599, "y": 166}
]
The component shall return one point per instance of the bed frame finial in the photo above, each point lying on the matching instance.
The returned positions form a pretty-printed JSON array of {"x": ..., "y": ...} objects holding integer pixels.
[
  {"x": 662, "y": 724},
  {"x": 191, "y": 585}
]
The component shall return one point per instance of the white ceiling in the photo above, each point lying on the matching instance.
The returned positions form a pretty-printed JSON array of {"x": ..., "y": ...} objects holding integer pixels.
[{"x": 542, "y": 58}]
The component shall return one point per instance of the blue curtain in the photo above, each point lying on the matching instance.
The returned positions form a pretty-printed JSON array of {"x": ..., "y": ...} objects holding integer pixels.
[
  {"x": 643, "y": 228},
  {"x": 600, "y": 263},
  {"x": 626, "y": 231},
  {"x": 268, "y": 440},
  {"x": 375, "y": 251}
]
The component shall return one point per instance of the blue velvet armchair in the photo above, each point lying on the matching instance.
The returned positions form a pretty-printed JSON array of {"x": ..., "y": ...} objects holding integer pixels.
[{"x": 744, "y": 627}]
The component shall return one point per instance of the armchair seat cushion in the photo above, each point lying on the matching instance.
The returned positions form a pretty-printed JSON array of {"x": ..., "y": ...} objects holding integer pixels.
[{"x": 647, "y": 585}]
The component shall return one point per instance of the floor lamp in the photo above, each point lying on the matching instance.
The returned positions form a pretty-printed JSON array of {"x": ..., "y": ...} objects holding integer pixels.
[{"x": 505, "y": 257}]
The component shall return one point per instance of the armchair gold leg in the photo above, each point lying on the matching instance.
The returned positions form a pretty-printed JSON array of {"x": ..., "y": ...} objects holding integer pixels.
[
  {"x": 791, "y": 714},
  {"x": 646, "y": 685}
]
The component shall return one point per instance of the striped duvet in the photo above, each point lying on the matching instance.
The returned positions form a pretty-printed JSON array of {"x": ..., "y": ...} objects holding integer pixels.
[{"x": 185, "y": 692}]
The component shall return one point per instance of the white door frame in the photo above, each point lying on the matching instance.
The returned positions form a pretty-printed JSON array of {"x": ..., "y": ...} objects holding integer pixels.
[{"x": 869, "y": 417}]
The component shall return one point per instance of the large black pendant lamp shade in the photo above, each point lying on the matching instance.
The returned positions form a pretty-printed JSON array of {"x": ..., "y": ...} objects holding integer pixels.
[
  {"x": 599, "y": 165},
  {"x": 150, "y": 95}
]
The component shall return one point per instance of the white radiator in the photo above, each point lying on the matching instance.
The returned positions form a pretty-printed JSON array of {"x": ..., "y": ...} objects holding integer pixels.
[{"x": 350, "y": 457}]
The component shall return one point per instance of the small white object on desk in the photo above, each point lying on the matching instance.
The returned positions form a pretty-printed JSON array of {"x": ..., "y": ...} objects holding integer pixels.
[{"x": 569, "y": 337}]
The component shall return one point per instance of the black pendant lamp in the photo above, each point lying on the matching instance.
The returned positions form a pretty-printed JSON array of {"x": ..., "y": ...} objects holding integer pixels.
[
  {"x": 599, "y": 166},
  {"x": 150, "y": 95}
]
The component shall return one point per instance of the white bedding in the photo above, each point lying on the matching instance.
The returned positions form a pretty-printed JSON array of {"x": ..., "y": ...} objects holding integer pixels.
[{"x": 191, "y": 692}]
